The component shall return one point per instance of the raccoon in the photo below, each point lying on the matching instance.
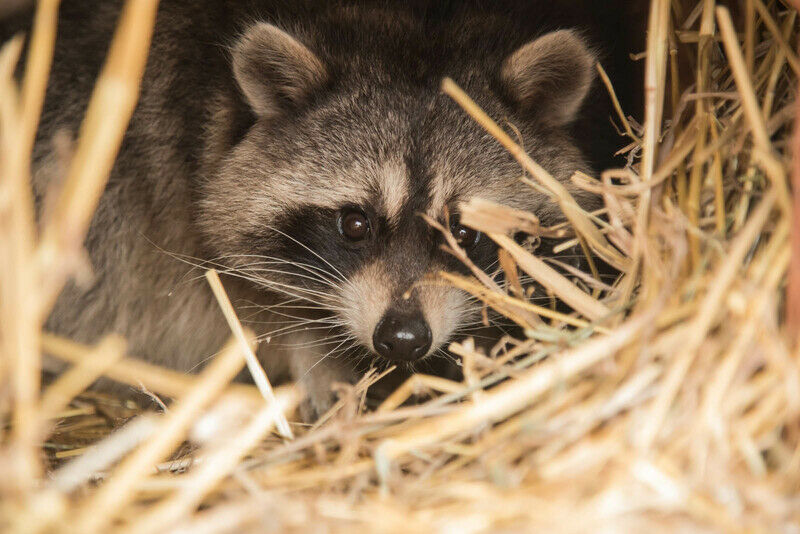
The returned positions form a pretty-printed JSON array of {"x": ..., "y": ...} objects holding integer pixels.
[{"x": 294, "y": 146}]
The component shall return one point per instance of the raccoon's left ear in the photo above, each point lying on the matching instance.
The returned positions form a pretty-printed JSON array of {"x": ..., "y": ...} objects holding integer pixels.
[
  {"x": 550, "y": 76},
  {"x": 274, "y": 70}
]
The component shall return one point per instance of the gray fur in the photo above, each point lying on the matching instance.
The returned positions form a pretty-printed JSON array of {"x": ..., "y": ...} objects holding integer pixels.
[{"x": 257, "y": 122}]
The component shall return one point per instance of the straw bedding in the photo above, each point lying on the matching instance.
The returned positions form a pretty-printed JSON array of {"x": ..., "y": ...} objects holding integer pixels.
[{"x": 668, "y": 398}]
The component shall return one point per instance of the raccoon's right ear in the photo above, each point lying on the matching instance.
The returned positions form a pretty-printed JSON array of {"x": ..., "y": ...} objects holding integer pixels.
[
  {"x": 274, "y": 70},
  {"x": 550, "y": 76}
]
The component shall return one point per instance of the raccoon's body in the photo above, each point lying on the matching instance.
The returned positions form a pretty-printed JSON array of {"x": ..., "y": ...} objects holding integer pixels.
[{"x": 293, "y": 145}]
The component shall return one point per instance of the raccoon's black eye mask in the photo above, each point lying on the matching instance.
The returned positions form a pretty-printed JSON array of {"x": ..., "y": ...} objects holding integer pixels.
[{"x": 355, "y": 226}]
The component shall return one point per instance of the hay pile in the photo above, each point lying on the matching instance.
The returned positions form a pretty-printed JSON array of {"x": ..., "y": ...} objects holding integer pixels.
[{"x": 669, "y": 399}]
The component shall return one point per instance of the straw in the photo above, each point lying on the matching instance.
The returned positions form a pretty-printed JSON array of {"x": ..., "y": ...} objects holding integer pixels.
[
  {"x": 256, "y": 371},
  {"x": 98, "y": 512}
]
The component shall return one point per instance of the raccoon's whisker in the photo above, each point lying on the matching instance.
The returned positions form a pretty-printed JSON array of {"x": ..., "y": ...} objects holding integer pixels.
[
  {"x": 311, "y": 307},
  {"x": 475, "y": 320},
  {"x": 324, "y": 357},
  {"x": 467, "y": 328},
  {"x": 322, "y": 322},
  {"x": 293, "y": 329},
  {"x": 233, "y": 272},
  {"x": 301, "y": 322},
  {"x": 289, "y": 276},
  {"x": 472, "y": 322},
  {"x": 331, "y": 319},
  {"x": 461, "y": 332},
  {"x": 491, "y": 265},
  {"x": 317, "y": 273},
  {"x": 290, "y": 330},
  {"x": 349, "y": 344},
  {"x": 274, "y": 311},
  {"x": 303, "y": 293},
  {"x": 450, "y": 357},
  {"x": 341, "y": 361},
  {"x": 338, "y": 361},
  {"x": 261, "y": 307},
  {"x": 362, "y": 355},
  {"x": 345, "y": 346},
  {"x": 199, "y": 263},
  {"x": 325, "y": 340},
  {"x": 256, "y": 268},
  {"x": 278, "y": 318},
  {"x": 477, "y": 325},
  {"x": 329, "y": 264},
  {"x": 282, "y": 287},
  {"x": 442, "y": 352},
  {"x": 267, "y": 265},
  {"x": 206, "y": 264},
  {"x": 201, "y": 361},
  {"x": 271, "y": 284},
  {"x": 297, "y": 328},
  {"x": 217, "y": 262},
  {"x": 316, "y": 343},
  {"x": 257, "y": 310},
  {"x": 287, "y": 289},
  {"x": 314, "y": 269},
  {"x": 259, "y": 279},
  {"x": 473, "y": 335},
  {"x": 273, "y": 323},
  {"x": 186, "y": 281},
  {"x": 279, "y": 309}
]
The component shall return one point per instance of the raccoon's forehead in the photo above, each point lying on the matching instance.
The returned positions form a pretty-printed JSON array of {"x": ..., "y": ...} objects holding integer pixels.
[
  {"x": 397, "y": 188},
  {"x": 400, "y": 164},
  {"x": 397, "y": 152},
  {"x": 382, "y": 185}
]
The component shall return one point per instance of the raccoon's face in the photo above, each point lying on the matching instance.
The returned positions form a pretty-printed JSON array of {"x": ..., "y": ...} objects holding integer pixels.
[{"x": 322, "y": 198}]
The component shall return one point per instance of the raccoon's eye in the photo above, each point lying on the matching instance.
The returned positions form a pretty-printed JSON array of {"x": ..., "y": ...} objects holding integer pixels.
[
  {"x": 354, "y": 224},
  {"x": 466, "y": 237}
]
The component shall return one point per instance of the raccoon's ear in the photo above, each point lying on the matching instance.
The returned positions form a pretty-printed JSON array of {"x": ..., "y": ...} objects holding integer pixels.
[
  {"x": 550, "y": 76},
  {"x": 274, "y": 70}
]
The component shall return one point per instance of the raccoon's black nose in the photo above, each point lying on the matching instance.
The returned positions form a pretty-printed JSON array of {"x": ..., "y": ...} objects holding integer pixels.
[{"x": 402, "y": 337}]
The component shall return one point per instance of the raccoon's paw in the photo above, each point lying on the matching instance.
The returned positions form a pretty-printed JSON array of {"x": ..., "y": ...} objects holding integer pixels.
[
  {"x": 318, "y": 375},
  {"x": 316, "y": 404}
]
